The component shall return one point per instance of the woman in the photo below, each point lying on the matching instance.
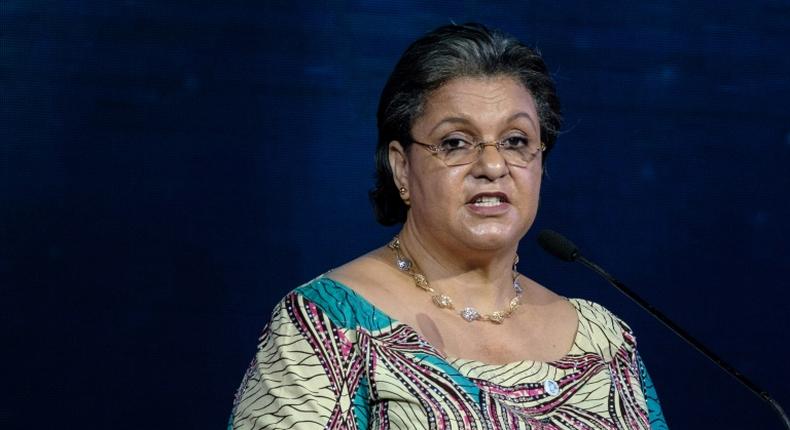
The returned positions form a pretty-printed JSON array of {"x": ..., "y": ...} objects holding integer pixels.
[{"x": 438, "y": 329}]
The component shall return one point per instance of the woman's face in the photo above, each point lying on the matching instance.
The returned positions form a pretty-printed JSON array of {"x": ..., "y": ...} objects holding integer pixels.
[{"x": 485, "y": 205}]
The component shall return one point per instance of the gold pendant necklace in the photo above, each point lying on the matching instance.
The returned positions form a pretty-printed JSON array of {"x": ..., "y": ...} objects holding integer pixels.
[{"x": 444, "y": 301}]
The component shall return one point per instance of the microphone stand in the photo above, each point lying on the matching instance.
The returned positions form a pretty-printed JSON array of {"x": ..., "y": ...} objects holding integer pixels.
[{"x": 762, "y": 394}]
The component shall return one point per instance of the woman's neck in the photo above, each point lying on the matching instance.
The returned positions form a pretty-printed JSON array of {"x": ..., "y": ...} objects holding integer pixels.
[{"x": 480, "y": 278}]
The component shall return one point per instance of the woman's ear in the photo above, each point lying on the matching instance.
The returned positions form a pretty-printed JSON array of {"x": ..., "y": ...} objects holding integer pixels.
[{"x": 399, "y": 164}]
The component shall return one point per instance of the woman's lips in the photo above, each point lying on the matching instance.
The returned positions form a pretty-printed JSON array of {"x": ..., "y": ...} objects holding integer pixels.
[
  {"x": 489, "y": 196},
  {"x": 489, "y": 204}
]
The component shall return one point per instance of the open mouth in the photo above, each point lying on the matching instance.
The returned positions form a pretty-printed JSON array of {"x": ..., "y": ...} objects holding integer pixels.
[{"x": 488, "y": 199}]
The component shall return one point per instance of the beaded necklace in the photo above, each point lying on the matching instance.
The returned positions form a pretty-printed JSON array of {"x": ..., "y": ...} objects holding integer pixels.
[{"x": 444, "y": 301}]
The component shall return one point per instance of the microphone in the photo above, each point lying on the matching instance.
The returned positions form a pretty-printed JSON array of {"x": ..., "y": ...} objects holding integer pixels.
[
  {"x": 562, "y": 248},
  {"x": 558, "y": 245}
]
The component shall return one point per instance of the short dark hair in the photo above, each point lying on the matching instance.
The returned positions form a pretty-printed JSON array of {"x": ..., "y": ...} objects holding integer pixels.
[{"x": 444, "y": 54}]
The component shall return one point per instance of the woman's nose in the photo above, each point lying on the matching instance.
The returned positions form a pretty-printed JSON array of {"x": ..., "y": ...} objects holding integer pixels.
[{"x": 491, "y": 162}]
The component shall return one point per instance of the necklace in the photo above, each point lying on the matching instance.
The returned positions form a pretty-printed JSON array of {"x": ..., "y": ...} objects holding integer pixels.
[{"x": 444, "y": 301}]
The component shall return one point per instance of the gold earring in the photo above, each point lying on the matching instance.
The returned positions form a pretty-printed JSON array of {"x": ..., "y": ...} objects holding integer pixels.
[{"x": 402, "y": 191}]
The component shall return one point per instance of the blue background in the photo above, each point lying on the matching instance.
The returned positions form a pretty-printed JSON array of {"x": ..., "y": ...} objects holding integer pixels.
[{"x": 169, "y": 170}]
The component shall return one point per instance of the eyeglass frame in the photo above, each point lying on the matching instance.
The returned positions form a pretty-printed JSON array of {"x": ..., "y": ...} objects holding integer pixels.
[{"x": 480, "y": 147}]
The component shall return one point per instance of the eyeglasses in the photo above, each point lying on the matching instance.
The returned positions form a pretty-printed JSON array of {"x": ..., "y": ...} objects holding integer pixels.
[{"x": 456, "y": 151}]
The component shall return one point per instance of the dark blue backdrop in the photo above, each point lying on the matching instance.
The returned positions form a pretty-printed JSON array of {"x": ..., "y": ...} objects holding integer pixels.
[{"x": 168, "y": 171}]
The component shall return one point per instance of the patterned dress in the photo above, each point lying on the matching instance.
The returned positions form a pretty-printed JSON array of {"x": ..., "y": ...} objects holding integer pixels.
[{"x": 328, "y": 359}]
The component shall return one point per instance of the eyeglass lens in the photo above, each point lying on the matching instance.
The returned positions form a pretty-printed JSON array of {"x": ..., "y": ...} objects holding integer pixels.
[{"x": 520, "y": 156}]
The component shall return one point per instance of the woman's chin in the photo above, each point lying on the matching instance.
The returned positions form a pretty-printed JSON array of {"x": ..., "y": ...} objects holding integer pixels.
[{"x": 492, "y": 237}]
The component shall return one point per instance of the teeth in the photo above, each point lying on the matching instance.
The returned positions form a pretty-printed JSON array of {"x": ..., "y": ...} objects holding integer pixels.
[{"x": 487, "y": 201}]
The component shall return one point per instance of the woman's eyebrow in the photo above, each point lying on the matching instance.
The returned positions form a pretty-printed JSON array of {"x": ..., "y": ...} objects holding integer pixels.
[
  {"x": 452, "y": 120},
  {"x": 521, "y": 115},
  {"x": 465, "y": 121}
]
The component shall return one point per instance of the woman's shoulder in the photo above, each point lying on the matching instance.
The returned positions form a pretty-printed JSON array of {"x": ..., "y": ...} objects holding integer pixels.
[
  {"x": 600, "y": 329},
  {"x": 595, "y": 311},
  {"x": 325, "y": 297}
]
